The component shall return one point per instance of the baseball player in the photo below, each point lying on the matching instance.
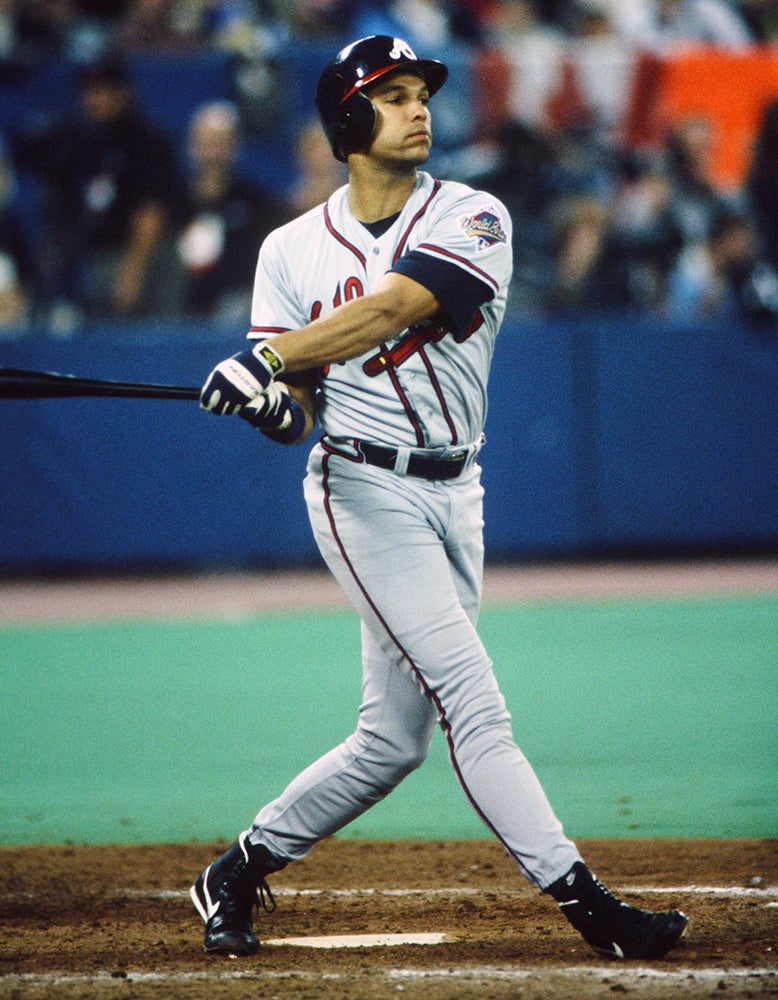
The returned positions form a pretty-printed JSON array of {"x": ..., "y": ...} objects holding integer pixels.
[{"x": 375, "y": 315}]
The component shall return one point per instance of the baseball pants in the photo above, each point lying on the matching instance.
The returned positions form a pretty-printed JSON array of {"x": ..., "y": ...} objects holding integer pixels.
[{"x": 409, "y": 555}]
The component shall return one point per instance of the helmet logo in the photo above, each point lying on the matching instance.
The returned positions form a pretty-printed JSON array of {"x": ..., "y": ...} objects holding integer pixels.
[{"x": 400, "y": 49}]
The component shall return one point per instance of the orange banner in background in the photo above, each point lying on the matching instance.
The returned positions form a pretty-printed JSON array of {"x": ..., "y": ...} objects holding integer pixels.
[
  {"x": 644, "y": 94},
  {"x": 729, "y": 89}
]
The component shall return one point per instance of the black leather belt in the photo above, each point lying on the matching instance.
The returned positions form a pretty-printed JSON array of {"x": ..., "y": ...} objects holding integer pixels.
[{"x": 421, "y": 466}]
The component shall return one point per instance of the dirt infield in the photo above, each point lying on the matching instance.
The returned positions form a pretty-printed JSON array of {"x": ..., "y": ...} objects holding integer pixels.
[
  {"x": 86, "y": 922},
  {"x": 93, "y": 923}
]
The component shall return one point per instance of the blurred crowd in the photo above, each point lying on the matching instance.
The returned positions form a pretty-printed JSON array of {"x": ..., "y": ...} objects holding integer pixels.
[{"x": 129, "y": 222}]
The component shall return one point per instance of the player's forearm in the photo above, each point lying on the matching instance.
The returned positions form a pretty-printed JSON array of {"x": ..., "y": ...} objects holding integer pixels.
[
  {"x": 351, "y": 330},
  {"x": 347, "y": 332},
  {"x": 357, "y": 326}
]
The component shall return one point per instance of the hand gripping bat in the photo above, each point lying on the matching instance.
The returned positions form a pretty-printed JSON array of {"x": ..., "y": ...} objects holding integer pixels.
[{"x": 19, "y": 383}]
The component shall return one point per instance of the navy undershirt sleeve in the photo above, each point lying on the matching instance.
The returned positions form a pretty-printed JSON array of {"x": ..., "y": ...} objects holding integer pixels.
[{"x": 459, "y": 293}]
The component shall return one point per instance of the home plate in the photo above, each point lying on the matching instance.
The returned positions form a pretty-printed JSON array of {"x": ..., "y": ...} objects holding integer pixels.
[{"x": 361, "y": 940}]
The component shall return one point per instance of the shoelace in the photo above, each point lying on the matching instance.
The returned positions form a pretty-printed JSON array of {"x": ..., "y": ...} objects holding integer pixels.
[{"x": 265, "y": 897}]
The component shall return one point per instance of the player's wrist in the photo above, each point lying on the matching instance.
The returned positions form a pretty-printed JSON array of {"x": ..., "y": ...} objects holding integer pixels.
[
  {"x": 293, "y": 431},
  {"x": 265, "y": 355}
]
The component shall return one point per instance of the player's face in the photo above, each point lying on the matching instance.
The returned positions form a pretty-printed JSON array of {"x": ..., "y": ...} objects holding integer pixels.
[{"x": 403, "y": 132}]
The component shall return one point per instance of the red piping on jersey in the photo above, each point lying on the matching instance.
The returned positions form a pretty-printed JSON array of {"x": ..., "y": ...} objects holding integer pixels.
[
  {"x": 404, "y": 238},
  {"x": 342, "y": 239},
  {"x": 409, "y": 411},
  {"x": 445, "y": 725},
  {"x": 269, "y": 329},
  {"x": 357, "y": 458},
  {"x": 460, "y": 260},
  {"x": 439, "y": 393}
]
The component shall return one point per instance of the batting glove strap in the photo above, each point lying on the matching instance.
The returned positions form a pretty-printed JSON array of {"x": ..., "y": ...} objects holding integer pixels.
[{"x": 266, "y": 355}]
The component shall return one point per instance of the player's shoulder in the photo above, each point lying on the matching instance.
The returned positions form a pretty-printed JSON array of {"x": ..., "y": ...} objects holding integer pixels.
[
  {"x": 444, "y": 190},
  {"x": 474, "y": 210},
  {"x": 456, "y": 195}
]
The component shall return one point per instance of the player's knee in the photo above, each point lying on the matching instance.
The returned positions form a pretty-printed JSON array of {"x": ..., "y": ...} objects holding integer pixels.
[
  {"x": 410, "y": 759},
  {"x": 409, "y": 750},
  {"x": 396, "y": 756}
]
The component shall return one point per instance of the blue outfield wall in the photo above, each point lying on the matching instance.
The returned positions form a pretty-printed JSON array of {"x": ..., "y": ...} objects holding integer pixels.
[{"x": 603, "y": 436}]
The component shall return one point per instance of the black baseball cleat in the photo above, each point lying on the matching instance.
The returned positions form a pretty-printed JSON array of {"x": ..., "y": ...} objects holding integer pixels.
[
  {"x": 227, "y": 892},
  {"x": 615, "y": 929}
]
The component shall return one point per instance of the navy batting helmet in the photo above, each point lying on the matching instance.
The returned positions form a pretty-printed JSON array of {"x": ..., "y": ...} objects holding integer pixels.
[{"x": 348, "y": 116}]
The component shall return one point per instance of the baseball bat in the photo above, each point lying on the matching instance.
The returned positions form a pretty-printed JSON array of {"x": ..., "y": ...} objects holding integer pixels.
[{"x": 20, "y": 383}]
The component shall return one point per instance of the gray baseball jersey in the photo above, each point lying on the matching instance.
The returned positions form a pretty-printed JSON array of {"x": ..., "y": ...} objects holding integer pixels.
[
  {"x": 427, "y": 388},
  {"x": 407, "y": 550}
]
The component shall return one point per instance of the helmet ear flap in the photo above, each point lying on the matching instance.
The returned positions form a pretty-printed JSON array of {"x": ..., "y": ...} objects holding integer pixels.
[
  {"x": 356, "y": 125},
  {"x": 348, "y": 123}
]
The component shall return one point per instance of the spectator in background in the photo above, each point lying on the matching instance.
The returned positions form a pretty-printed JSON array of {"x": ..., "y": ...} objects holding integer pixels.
[
  {"x": 109, "y": 11},
  {"x": 9, "y": 33},
  {"x": 761, "y": 189},
  {"x": 640, "y": 221},
  {"x": 45, "y": 26},
  {"x": 184, "y": 25},
  {"x": 33, "y": 31},
  {"x": 224, "y": 220},
  {"x": 520, "y": 166},
  {"x": 695, "y": 201},
  {"x": 37, "y": 30},
  {"x": 109, "y": 177},
  {"x": 531, "y": 49},
  {"x": 762, "y": 185},
  {"x": 761, "y": 16},
  {"x": 590, "y": 269},
  {"x": 318, "y": 172},
  {"x": 424, "y": 24},
  {"x": 317, "y": 20},
  {"x": 233, "y": 25},
  {"x": 15, "y": 270},
  {"x": 510, "y": 21},
  {"x": 709, "y": 279},
  {"x": 159, "y": 26},
  {"x": 658, "y": 25}
]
